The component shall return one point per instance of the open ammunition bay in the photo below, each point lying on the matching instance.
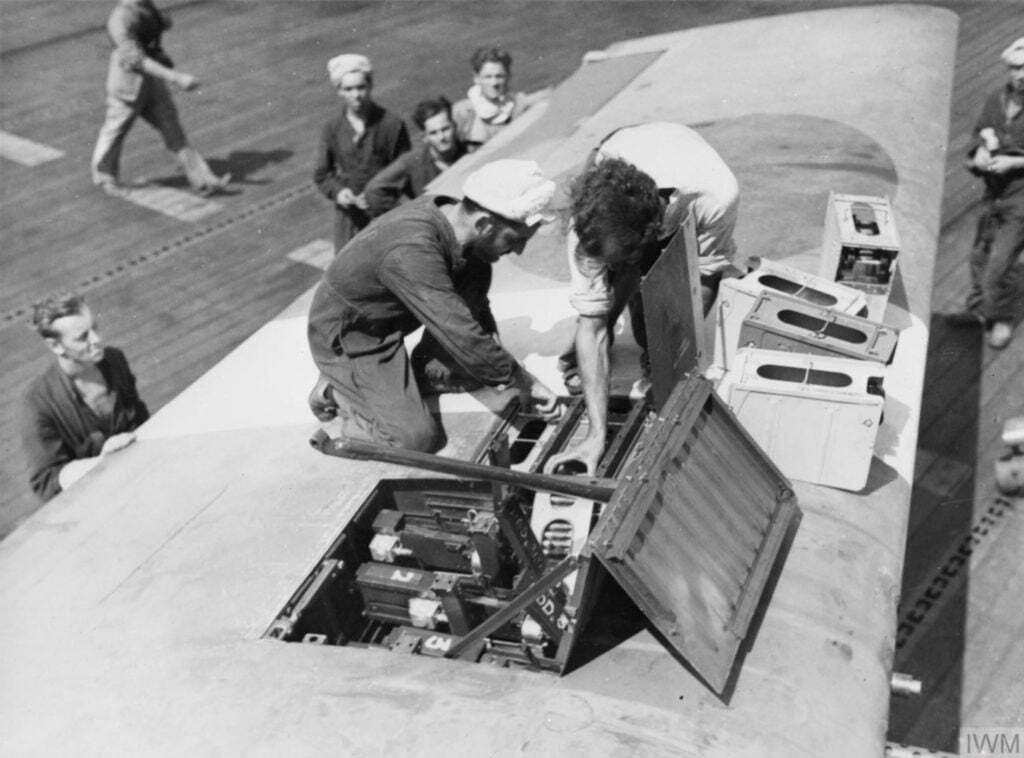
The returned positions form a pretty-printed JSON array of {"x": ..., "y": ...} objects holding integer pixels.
[
  {"x": 506, "y": 574},
  {"x": 505, "y": 565},
  {"x": 426, "y": 563}
]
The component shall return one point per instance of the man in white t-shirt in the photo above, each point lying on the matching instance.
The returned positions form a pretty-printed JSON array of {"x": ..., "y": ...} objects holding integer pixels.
[{"x": 642, "y": 183}]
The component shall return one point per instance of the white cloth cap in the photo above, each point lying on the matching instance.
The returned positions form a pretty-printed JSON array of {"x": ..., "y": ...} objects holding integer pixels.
[
  {"x": 1014, "y": 54},
  {"x": 347, "y": 63},
  {"x": 514, "y": 189}
]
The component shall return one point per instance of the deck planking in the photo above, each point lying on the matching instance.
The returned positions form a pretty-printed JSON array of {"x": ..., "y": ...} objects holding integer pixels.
[
  {"x": 258, "y": 115},
  {"x": 965, "y": 652}
]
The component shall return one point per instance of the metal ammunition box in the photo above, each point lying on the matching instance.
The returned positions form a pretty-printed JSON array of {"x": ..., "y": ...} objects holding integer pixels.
[
  {"x": 860, "y": 247},
  {"x": 817, "y": 417},
  {"x": 386, "y": 589},
  {"x": 736, "y": 297},
  {"x": 781, "y": 322}
]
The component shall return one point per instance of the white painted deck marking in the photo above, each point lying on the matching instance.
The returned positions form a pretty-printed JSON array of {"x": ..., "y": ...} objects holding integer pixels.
[
  {"x": 183, "y": 206},
  {"x": 25, "y": 151},
  {"x": 318, "y": 253}
]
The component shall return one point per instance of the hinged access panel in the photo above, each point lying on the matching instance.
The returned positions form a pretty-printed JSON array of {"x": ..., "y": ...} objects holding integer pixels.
[
  {"x": 673, "y": 315},
  {"x": 694, "y": 527}
]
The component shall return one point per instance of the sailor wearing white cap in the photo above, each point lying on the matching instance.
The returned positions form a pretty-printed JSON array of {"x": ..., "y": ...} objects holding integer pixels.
[
  {"x": 426, "y": 263},
  {"x": 1013, "y": 55},
  {"x": 997, "y": 155},
  {"x": 347, "y": 63},
  {"x": 355, "y": 144}
]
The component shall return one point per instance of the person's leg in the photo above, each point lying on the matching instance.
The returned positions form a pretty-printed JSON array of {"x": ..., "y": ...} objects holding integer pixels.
[
  {"x": 709, "y": 284},
  {"x": 379, "y": 401},
  {"x": 106, "y": 156},
  {"x": 437, "y": 372},
  {"x": 999, "y": 284},
  {"x": 162, "y": 114},
  {"x": 978, "y": 262}
]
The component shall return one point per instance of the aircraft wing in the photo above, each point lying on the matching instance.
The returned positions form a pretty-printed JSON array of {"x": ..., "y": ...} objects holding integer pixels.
[{"x": 134, "y": 604}]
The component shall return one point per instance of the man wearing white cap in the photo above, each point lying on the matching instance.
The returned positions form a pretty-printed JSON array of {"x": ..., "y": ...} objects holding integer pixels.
[
  {"x": 354, "y": 145},
  {"x": 426, "y": 263},
  {"x": 997, "y": 154}
]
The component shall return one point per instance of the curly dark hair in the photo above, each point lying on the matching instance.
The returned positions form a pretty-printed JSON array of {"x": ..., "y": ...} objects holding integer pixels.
[
  {"x": 615, "y": 200},
  {"x": 429, "y": 108},
  {"x": 484, "y": 55},
  {"x": 45, "y": 312}
]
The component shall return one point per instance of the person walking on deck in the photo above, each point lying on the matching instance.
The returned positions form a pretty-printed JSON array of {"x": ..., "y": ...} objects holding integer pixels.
[{"x": 138, "y": 85}]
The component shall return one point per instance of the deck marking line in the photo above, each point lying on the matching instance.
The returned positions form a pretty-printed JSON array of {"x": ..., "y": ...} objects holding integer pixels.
[
  {"x": 25, "y": 151},
  {"x": 23, "y": 313},
  {"x": 949, "y": 576},
  {"x": 175, "y": 203},
  {"x": 318, "y": 253}
]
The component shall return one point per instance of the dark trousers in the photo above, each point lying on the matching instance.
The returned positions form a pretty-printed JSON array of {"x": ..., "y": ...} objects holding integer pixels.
[
  {"x": 347, "y": 224},
  {"x": 380, "y": 394},
  {"x": 379, "y": 399},
  {"x": 998, "y": 243}
]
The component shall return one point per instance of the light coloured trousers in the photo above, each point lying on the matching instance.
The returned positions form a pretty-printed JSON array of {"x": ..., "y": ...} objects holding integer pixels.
[{"x": 155, "y": 106}]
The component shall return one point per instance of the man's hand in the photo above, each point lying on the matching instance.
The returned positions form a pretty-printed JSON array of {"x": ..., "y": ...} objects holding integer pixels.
[
  {"x": 544, "y": 402},
  {"x": 117, "y": 442},
  {"x": 1000, "y": 164},
  {"x": 587, "y": 452},
  {"x": 982, "y": 159},
  {"x": 346, "y": 198},
  {"x": 359, "y": 201},
  {"x": 186, "y": 81}
]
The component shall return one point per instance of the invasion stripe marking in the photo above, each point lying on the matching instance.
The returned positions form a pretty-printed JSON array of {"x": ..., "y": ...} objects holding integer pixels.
[
  {"x": 25, "y": 151},
  {"x": 318, "y": 253}
]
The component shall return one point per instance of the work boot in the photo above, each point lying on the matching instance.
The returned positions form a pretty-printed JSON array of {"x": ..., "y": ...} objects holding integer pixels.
[
  {"x": 321, "y": 400},
  {"x": 999, "y": 334},
  {"x": 204, "y": 182}
]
